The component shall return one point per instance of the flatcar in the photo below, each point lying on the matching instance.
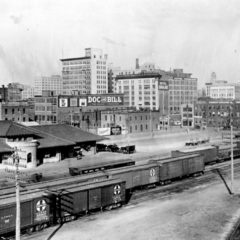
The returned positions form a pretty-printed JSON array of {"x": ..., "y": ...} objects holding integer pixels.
[{"x": 101, "y": 165}]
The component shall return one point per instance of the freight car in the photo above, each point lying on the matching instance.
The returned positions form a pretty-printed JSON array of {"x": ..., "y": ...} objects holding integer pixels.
[
  {"x": 209, "y": 153},
  {"x": 100, "y": 165},
  {"x": 137, "y": 176},
  {"x": 78, "y": 199},
  {"x": 178, "y": 167},
  {"x": 35, "y": 213},
  {"x": 41, "y": 208}
]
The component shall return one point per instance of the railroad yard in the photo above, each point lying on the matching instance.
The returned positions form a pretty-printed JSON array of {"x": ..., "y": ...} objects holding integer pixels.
[
  {"x": 196, "y": 208},
  {"x": 199, "y": 207}
]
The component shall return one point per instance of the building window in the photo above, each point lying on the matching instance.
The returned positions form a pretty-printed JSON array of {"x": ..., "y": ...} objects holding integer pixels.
[
  {"x": 13, "y": 111},
  {"x": 141, "y": 127},
  {"x": 135, "y": 127},
  {"x": 105, "y": 117},
  {"x": 6, "y": 111},
  {"x": 146, "y": 126}
]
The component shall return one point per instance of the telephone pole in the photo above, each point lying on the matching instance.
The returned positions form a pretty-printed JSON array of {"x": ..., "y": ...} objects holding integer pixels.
[{"x": 18, "y": 218}]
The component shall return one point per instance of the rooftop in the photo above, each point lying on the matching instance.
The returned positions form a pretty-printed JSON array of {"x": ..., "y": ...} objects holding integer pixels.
[
  {"x": 72, "y": 59},
  {"x": 10, "y": 129},
  {"x": 66, "y": 133}
]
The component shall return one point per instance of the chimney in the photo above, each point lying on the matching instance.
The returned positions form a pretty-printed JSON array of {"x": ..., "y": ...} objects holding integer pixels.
[{"x": 137, "y": 63}]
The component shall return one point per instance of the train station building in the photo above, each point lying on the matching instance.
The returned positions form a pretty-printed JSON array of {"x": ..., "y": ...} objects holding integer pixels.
[{"x": 37, "y": 145}]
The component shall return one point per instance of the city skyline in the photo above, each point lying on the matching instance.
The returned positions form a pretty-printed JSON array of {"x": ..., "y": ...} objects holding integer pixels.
[{"x": 199, "y": 36}]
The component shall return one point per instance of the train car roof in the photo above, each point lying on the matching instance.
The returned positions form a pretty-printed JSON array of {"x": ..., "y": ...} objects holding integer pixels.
[
  {"x": 23, "y": 197},
  {"x": 85, "y": 186},
  {"x": 132, "y": 168},
  {"x": 68, "y": 180},
  {"x": 172, "y": 159},
  {"x": 196, "y": 148}
]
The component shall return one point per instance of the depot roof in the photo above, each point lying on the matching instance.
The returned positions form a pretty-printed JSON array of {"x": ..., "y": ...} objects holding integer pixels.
[
  {"x": 67, "y": 133},
  {"x": 10, "y": 129}
]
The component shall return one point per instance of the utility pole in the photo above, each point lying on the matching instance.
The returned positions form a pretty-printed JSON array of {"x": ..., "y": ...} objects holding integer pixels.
[
  {"x": 232, "y": 166},
  {"x": 18, "y": 221}
]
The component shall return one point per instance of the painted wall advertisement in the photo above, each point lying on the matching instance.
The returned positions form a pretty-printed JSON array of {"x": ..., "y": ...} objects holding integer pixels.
[
  {"x": 91, "y": 100},
  {"x": 163, "y": 85}
]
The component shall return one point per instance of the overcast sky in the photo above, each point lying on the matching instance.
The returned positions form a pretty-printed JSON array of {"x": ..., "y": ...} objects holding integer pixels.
[{"x": 200, "y": 36}]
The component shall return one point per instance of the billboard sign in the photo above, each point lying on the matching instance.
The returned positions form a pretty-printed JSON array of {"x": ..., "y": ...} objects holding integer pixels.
[
  {"x": 91, "y": 100},
  {"x": 104, "y": 99},
  {"x": 63, "y": 102},
  {"x": 116, "y": 130},
  {"x": 163, "y": 86}
]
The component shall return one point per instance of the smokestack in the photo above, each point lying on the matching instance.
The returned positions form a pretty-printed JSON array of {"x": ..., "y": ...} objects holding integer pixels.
[{"x": 137, "y": 63}]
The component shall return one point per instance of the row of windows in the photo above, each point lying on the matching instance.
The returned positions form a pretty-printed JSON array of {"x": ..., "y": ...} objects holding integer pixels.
[
  {"x": 49, "y": 118},
  {"x": 24, "y": 119},
  {"x": 13, "y": 110},
  {"x": 87, "y": 67},
  {"x": 76, "y": 62}
]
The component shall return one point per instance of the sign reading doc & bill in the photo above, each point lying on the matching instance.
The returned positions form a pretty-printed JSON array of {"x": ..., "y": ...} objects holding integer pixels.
[{"x": 91, "y": 100}]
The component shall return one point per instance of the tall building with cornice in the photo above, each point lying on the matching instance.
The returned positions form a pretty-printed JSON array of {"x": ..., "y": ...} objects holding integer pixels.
[{"x": 85, "y": 75}]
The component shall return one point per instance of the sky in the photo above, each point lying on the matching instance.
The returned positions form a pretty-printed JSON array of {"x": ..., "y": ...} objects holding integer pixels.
[{"x": 200, "y": 36}]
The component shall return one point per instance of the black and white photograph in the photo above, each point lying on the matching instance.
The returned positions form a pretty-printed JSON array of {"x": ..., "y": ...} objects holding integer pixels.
[{"x": 119, "y": 120}]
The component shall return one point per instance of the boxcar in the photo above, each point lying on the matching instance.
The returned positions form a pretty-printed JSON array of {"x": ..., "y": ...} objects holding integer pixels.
[
  {"x": 80, "y": 198},
  {"x": 209, "y": 153},
  {"x": 179, "y": 167},
  {"x": 137, "y": 176},
  {"x": 35, "y": 212}
]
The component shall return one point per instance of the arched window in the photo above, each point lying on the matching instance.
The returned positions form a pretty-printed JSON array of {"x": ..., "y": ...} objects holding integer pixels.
[{"x": 29, "y": 157}]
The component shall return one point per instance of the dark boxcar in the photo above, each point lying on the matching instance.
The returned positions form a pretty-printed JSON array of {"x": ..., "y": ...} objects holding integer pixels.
[
  {"x": 83, "y": 197},
  {"x": 34, "y": 212},
  {"x": 138, "y": 175},
  {"x": 209, "y": 153},
  {"x": 179, "y": 167}
]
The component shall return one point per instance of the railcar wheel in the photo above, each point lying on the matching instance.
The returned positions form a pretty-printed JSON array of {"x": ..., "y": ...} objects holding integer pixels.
[
  {"x": 30, "y": 230},
  {"x": 44, "y": 225}
]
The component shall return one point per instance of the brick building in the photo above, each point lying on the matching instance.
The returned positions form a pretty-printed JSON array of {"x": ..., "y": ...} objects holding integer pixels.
[{"x": 132, "y": 121}]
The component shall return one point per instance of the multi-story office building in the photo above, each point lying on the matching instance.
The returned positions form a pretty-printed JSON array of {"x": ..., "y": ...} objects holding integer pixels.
[
  {"x": 143, "y": 91},
  {"x": 28, "y": 92},
  {"x": 87, "y": 74},
  {"x": 21, "y": 111},
  {"x": 14, "y": 92},
  {"x": 224, "y": 91},
  {"x": 217, "y": 112},
  {"x": 46, "y": 108},
  {"x": 182, "y": 89},
  {"x": 48, "y": 83}
]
